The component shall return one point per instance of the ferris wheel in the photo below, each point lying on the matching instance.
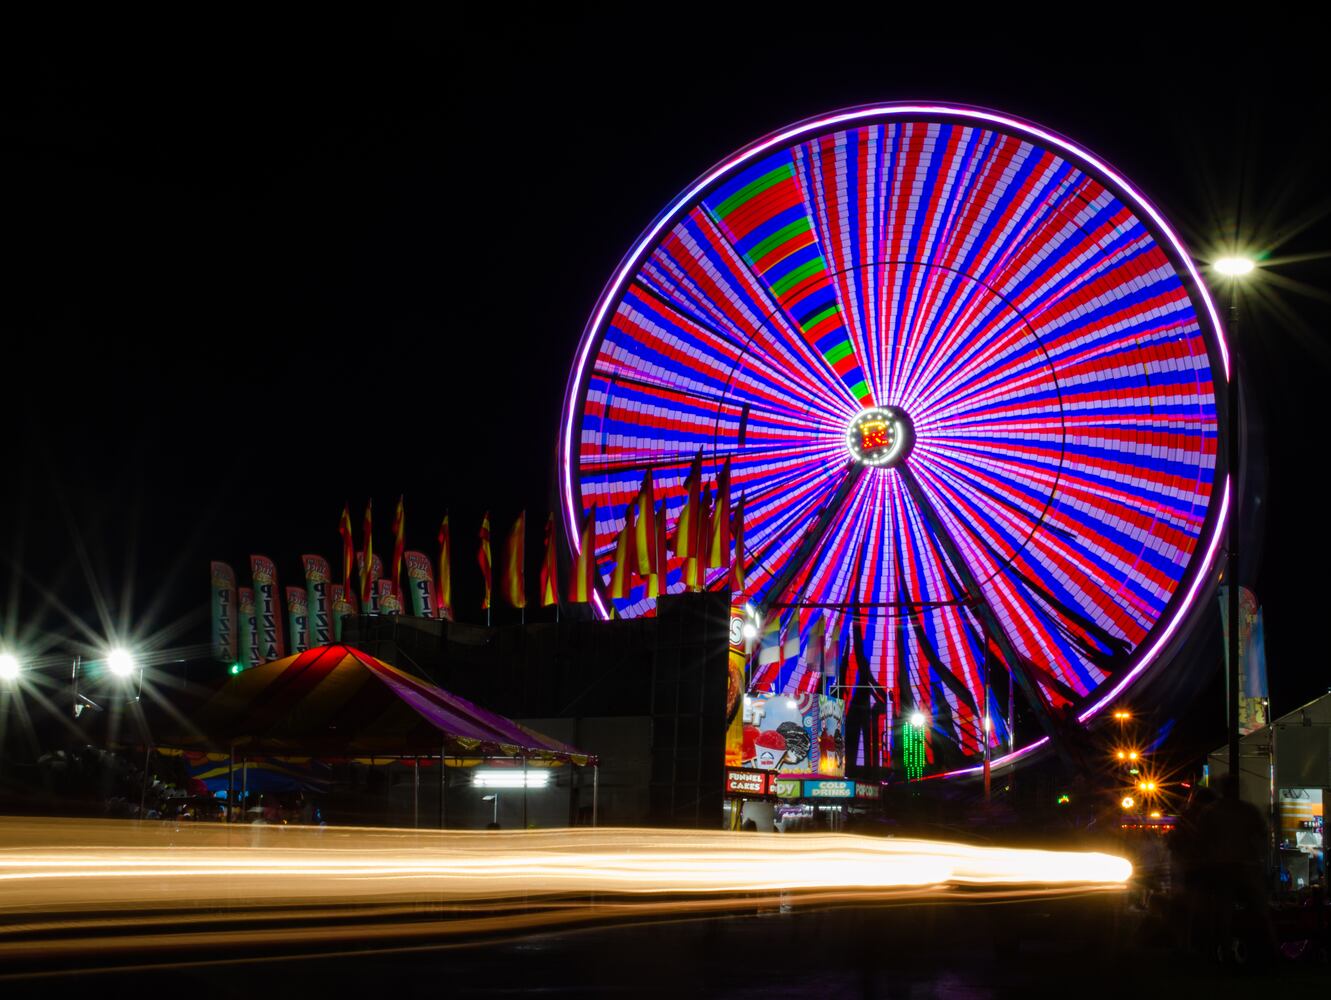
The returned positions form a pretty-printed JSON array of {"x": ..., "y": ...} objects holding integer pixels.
[{"x": 968, "y": 380}]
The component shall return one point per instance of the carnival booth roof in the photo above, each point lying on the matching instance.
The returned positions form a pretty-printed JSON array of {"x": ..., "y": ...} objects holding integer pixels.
[{"x": 340, "y": 702}]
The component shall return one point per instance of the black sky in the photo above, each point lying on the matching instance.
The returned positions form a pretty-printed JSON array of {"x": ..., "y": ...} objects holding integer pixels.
[{"x": 258, "y": 268}]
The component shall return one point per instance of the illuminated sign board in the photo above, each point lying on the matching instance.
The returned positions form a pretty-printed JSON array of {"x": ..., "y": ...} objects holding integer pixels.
[
  {"x": 863, "y": 791},
  {"x": 787, "y": 788},
  {"x": 746, "y": 782},
  {"x": 829, "y": 789}
]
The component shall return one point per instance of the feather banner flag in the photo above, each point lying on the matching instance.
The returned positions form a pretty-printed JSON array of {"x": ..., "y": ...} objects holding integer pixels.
[
  {"x": 420, "y": 581},
  {"x": 445, "y": 599},
  {"x": 318, "y": 576},
  {"x": 695, "y": 565},
  {"x": 718, "y": 548},
  {"x": 267, "y": 608},
  {"x": 249, "y": 628},
  {"x": 549, "y": 566},
  {"x": 342, "y": 604},
  {"x": 657, "y": 579},
  {"x": 686, "y": 528},
  {"x": 644, "y": 537},
  {"x": 388, "y": 602},
  {"x": 348, "y": 548},
  {"x": 582, "y": 579},
  {"x": 298, "y": 618},
  {"x": 399, "y": 545},
  {"x": 483, "y": 559},
  {"x": 737, "y": 532},
  {"x": 622, "y": 577},
  {"x": 367, "y": 557},
  {"x": 224, "y": 612},
  {"x": 515, "y": 556}
]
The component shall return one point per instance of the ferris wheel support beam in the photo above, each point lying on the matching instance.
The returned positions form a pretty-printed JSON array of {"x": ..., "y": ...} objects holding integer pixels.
[
  {"x": 988, "y": 620},
  {"x": 812, "y": 539}
]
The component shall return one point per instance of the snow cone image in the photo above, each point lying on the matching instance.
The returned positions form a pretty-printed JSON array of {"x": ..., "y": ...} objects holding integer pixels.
[
  {"x": 771, "y": 747},
  {"x": 750, "y": 743}
]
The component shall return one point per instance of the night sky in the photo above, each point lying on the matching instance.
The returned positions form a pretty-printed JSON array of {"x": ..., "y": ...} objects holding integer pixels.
[{"x": 257, "y": 269}]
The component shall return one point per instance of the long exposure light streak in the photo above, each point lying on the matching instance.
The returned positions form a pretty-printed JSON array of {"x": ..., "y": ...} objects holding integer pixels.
[{"x": 80, "y": 888}]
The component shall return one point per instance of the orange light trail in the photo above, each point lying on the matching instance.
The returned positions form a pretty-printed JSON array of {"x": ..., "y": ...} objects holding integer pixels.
[{"x": 198, "y": 882}]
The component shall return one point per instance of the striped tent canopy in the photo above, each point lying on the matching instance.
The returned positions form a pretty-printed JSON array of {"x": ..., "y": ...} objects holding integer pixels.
[{"x": 336, "y": 701}]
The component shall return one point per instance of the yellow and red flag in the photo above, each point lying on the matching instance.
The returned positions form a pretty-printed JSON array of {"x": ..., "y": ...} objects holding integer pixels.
[
  {"x": 515, "y": 573},
  {"x": 695, "y": 565},
  {"x": 549, "y": 567},
  {"x": 366, "y": 576},
  {"x": 656, "y": 584},
  {"x": 686, "y": 528},
  {"x": 581, "y": 582},
  {"x": 445, "y": 597},
  {"x": 348, "y": 547},
  {"x": 737, "y": 531},
  {"x": 399, "y": 544},
  {"x": 483, "y": 559},
  {"x": 622, "y": 578},
  {"x": 718, "y": 548},
  {"x": 644, "y": 538}
]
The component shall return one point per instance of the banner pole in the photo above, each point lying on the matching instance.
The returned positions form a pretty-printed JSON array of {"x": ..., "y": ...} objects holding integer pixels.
[{"x": 596, "y": 778}]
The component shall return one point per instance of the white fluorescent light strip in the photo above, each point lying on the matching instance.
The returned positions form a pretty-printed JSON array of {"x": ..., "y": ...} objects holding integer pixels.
[{"x": 507, "y": 778}]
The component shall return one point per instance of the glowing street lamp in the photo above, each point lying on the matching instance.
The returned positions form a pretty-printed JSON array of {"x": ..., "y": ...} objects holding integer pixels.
[
  {"x": 9, "y": 668},
  {"x": 1234, "y": 267},
  {"x": 917, "y": 719},
  {"x": 120, "y": 663},
  {"x": 1128, "y": 802}
]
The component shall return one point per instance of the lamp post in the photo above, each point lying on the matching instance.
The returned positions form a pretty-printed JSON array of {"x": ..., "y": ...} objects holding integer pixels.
[{"x": 1233, "y": 269}]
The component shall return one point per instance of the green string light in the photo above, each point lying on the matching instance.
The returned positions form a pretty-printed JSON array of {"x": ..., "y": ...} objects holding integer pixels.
[{"x": 912, "y": 751}]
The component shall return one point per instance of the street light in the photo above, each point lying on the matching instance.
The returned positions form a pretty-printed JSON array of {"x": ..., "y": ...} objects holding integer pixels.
[
  {"x": 1234, "y": 267},
  {"x": 9, "y": 668},
  {"x": 917, "y": 719},
  {"x": 120, "y": 663}
]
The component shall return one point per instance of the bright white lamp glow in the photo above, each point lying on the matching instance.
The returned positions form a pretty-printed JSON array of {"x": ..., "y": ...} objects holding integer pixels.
[
  {"x": 510, "y": 777},
  {"x": 120, "y": 662},
  {"x": 8, "y": 667},
  {"x": 1234, "y": 267},
  {"x": 749, "y": 631},
  {"x": 917, "y": 719}
]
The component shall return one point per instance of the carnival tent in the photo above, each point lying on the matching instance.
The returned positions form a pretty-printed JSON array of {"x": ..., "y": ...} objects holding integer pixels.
[{"x": 338, "y": 702}]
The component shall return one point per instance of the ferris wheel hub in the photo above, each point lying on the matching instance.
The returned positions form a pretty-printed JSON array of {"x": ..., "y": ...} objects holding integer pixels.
[{"x": 881, "y": 436}]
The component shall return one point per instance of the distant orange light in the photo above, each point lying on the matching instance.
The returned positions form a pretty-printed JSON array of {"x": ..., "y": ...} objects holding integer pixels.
[
  {"x": 1155, "y": 814},
  {"x": 1122, "y": 755},
  {"x": 1132, "y": 755},
  {"x": 1128, "y": 802}
]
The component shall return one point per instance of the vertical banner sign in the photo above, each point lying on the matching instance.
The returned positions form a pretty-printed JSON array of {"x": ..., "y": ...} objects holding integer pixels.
[
  {"x": 298, "y": 619},
  {"x": 1253, "y": 693},
  {"x": 420, "y": 581},
  {"x": 224, "y": 612},
  {"x": 735, "y": 689},
  {"x": 341, "y": 605},
  {"x": 267, "y": 607},
  {"x": 249, "y": 628},
  {"x": 389, "y": 602},
  {"x": 318, "y": 577}
]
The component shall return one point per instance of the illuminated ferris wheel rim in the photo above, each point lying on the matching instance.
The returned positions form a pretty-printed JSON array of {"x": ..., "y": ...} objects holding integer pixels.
[{"x": 1184, "y": 599}]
